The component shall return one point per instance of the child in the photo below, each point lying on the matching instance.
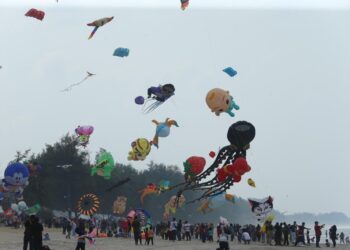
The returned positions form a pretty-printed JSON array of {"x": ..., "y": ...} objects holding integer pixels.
[
  {"x": 150, "y": 235},
  {"x": 146, "y": 237}
]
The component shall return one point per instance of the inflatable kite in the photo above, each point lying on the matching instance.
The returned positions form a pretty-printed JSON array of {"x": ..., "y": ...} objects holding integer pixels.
[
  {"x": 156, "y": 96},
  {"x": 150, "y": 189},
  {"x": 16, "y": 178},
  {"x": 140, "y": 149},
  {"x": 142, "y": 215},
  {"x": 205, "y": 206},
  {"x": 230, "y": 71},
  {"x": 121, "y": 52},
  {"x": 251, "y": 182},
  {"x": 164, "y": 185},
  {"x": 99, "y": 23},
  {"x": 261, "y": 207},
  {"x": 184, "y": 4},
  {"x": 84, "y": 133},
  {"x": 88, "y": 204},
  {"x": 230, "y": 164},
  {"x": 163, "y": 129},
  {"x": 38, "y": 14},
  {"x": 193, "y": 166},
  {"x": 69, "y": 88},
  {"x": 104, "y": 165},
  {"x": 230, "y": 198},
  {"x": 119, "y": 205},
  {"x": 33, "y": 210},
  {"x": 219, "y": 101},
  {"x": 174, "y": 202}
]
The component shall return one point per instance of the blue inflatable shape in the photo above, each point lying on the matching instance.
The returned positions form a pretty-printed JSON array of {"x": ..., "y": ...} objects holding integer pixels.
[
  {"x": 230, "y": 71},
  {"x": 121, "y": 52}
]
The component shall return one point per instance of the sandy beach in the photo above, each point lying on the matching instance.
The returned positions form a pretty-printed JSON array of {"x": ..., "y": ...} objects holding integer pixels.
[{"x": 11, "y": 239}]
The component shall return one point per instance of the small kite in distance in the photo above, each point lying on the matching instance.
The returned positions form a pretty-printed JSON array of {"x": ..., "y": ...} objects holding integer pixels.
[
  {"x": 99, "y": 23},
  {"x": 121, "y": 52},
  {"x": 64, "y": 166},
  {"x": 38, "y": 14},
  {"x": 184, "y": 4},
  {"x": 69, "y": 88},
  {"x": 230, "y": 71}
]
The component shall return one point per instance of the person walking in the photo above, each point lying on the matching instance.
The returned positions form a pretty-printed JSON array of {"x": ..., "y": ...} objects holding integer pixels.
[
  {"x": 150, "y": 235},
  {"x": 136, "y": 227},
  {"x": 80, "y": 231},
  {"x": 27, "y": 240},
  {"x": 318, "y": 233},
  {"x": 333, "y": 234}
]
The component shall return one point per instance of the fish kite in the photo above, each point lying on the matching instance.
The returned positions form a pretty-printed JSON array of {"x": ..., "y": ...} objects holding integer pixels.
[
  {"x": 99, "y": 23},
  {"x": 163, "y": 129},
  {"x": 230, "y": 71},
  {"x": 219, "y": 101},
  {"x": 38, "y": 14},
  {"x": 251, "y": 182},
  {"x": 150, "y": 189},
  {"x": 69, "y": 88},
  {"x": 164, "y": 185}
]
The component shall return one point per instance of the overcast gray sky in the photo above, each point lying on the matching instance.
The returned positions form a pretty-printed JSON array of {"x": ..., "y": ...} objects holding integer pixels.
[{"x": 292, "y": 84}]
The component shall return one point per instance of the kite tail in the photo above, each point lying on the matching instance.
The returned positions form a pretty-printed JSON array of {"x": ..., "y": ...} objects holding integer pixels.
[
  {"x": 93, "y": 32},
  {"x": 155, "y": 141}
]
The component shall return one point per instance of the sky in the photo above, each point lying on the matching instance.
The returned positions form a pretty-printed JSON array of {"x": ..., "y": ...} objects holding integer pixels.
[{"x": 292, "y": 84}]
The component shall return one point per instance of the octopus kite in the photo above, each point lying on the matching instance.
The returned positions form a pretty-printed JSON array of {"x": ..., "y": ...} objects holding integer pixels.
[
  {"x": 99, "y": 23},
  {"x": 230, "y": 164}
]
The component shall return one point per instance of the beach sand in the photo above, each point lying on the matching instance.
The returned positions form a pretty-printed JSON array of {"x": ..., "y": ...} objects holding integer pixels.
[{"x": 11, "y": 239}]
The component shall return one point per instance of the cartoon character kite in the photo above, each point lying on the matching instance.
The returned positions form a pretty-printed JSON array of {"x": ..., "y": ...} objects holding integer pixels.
[
  {"x": 99, "y": 23},
  {"x": 219, "y": 101},
  {"x": 84, "y": 133},
  {"x": 104, "y": 165},
  {"x": 163, "y": 129},
  {"x": 140, "y": 149}
]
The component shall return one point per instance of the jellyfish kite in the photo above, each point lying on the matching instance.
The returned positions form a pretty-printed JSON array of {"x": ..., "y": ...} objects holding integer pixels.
[
  {"x": 140, "y": 149},
  {"x": 84, "y": 133},
  {"x": 99, "y": 23},
  {"x": 156, "y": 96},
  {"x": 38, "y": 14},
  {"x": 104, "y": 165},
  {"x": 219, "y": 101},
  {"x": 230, "y": 164},
  {"x": 163, "y": 129}
]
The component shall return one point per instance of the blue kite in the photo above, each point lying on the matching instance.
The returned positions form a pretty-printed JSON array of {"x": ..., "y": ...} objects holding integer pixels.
[
  {"x": 230, "y": 71},
  {"x": 121, "y": 52}
]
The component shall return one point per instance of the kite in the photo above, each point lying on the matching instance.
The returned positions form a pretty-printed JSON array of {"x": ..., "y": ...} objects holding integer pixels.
[
  {"x": 212, "y": 154},
  {"x": 84, "y": 133},
  {"x": 184, "y": 4},
  {"x": 64, "y": 166},
  {"x": 230, "y": 198},
  {"x": 193, "y": 166},
  {"x": 174, "y": 202},
  {"x": 230, "y": 164},
  {"x": 38, "y": 14},
  {"x": 121, "y": 52},
  {"x": 230, "y": 71},
  {"x": 118, "y": 184},
  {"x": 33, "y": 210},
  {"x": 119, "y": 205},
  {"x": 219, "y": 101},
  {"x": 143, "y": 215},
  {"x": 69, "y": 88},
  {"x": 261, "y": 207},
  {"x": 157, "y": 96},
  {"x": 88, "y": 204},
  {"x": 150, "y": 189},
  {"x": 205, "y": 206},
  {"x": 16, "y": 178},
  {"x": 104, "y": 165},
  {"x": 163, "y": 129},
  {"x": 251, "y": 182},
  {"x": 164, "y": 185},
  {"x": 140, "y": 149},
  {"x": 99, "y": 23}
]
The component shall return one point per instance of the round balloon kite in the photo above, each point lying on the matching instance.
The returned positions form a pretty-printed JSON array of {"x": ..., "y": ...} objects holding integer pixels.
[{"x": 88, "y": 204}]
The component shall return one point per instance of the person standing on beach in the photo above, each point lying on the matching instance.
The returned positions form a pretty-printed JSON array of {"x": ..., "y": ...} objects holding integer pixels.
[
  {"x": 173, "y": 228},
  {"x": 80, "y": 231},
  {"x": 285, "y": 231},
  {"x": 136, "y": 227},
  {"x": 318, "y": 233},
  {"x": 187, "y": 228},
  {"x": 27, "y": 240},
  {"x": 37, "y": 234},
  {"x": 333, "y": 234},
  {"x": 293, "y": 230},
  {"x": 300, "y": 234}
]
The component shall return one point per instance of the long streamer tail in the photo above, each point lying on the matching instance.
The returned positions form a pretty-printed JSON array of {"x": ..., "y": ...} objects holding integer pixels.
[{"x": 93, "y": 32}]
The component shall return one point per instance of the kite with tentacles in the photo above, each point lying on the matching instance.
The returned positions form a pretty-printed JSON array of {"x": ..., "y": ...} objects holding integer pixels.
[
  {"x": 156, "y": 96},
  {"x": 230, "y": 164},
  {"x": 69, "y": 88}
]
